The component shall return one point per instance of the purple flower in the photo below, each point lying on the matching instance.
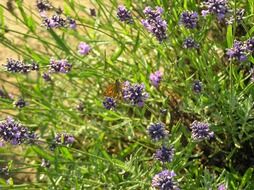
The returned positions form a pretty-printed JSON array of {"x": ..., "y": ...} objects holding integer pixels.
[
  {"x": 124, "y": 15},
  {"x": 222, "y": 187},
  {"x": 155, "y": 78},
  {"x": 238, "y": 17},
  {"x": 84, "y": 48},
  {"x": 62, "y": 66},
  {"x": 34, "y": 66},
  {"x": 154, "y": 23},
  {"x": 164, "y": 180},
  {"x": 16, "y": 66},
  {"x": 164, "y": 154},
  {"x": 13, "y": 132},
  {"x": 218, "y": 7},
  {"x": 56, "y": 21},
  {"x": 46, "y": 77},
  {"x": 109, "y": 103},
  {"x": 189, "y": 19},
  {"x": 238, "y": 51},
  {"x": 157, "y": 131},
  {"x": 72, "y": 23},
  {"x": 197, "y": 86},
  {"x": 250, "y": 45},
  {"x": 135, "y": 94},
  {"x": 64, "y": 139},
  {"x": 43, "y": 5},
  {"x": 200, "y": 131},
  {"x": 20, "y": 103},
  {"x": 190, "y": 43}
]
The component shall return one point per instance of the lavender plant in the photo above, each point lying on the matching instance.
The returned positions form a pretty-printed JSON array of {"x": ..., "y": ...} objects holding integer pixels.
[{"x": 102, "y": 95}]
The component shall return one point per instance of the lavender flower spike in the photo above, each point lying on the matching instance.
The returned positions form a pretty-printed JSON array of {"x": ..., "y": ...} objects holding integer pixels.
[
  {"x": 157, "y": 131},
  {"x": 134, "y": 94},
  {"x": 164, "y": 180},
  {"x": 222, "y": 187},
  {"x": 190, "y": 43},
  {"x": 84, "y": 48},
  {"x": 64, "y": 139},
  {"x": 109, "y": 103},
  {"x": 62, "y": 66},
  {"x": 164, "y": 154},
  {"x": 155, "y": 78},
  {"x": 15, "y": 133},
  {"x": 189, "y": 19},
  {"x": 154, "y": 23},
  {"x": 200, "y": 131},
  {"x": 217, "y": 7},
  {"x": 238, "y": 51},
  {"x": 197, "y": 86},
  {"x": 124, "y": 15},
  {"x": 250, "y": 45}
]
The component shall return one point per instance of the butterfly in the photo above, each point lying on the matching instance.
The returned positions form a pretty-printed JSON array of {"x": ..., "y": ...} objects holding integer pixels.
[
  {"x": 114, "y": 90},
  {"x": 177, "y": 114}
]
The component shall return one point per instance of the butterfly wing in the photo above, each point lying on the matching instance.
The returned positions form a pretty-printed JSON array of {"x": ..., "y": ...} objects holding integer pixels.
[{"x": 113, "y": 90}]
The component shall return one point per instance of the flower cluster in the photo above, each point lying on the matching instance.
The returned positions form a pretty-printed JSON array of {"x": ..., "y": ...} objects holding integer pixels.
[
  {"x": 56, "y": 21},
  {"x": 197, "y": 86},
  {"x": 190, "y": 43},
  {"x": 13, "y": 132},
  {"x": 155, "y": 78},
  {"x": 164, "y": 154},
  {"x": 72, "y": 23},
  {"x": 189, "y": 19},
  {"x": 238, "y": 51},
  {"x": 109, "y": 103},
  {"x": 250, "y": 45},
  {"x": 157, "y": 131},
  {"x": 200, "y": 131},
  {"x": 217, "y": 7},
  {"x": 238, "y": 17},
  {"x": 154, "y": 23},
  {"x": 64, "y": 139},
  {"x": 20, "y": 103},
  {"x": 222, "y": 187},
  {"x": 135, "y": 94},
  {"x": 43, "y": 5},
  {"x": 124, "y": 15},
  {"x": 46, "y": 77},
  {"x": 164, "y": 180},
  {"x": 84, "y": 48},
  {"x": 16, "y": 66},
  {"x": 62, "y": 66}
]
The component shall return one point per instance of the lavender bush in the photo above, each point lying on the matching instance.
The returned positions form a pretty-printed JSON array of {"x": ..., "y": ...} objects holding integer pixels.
[{"x": 127, "y": 94}]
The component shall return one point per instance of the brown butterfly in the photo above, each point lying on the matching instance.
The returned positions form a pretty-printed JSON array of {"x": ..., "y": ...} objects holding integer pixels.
[
  {"x": 114, "y": 90},
  {"x": 177, "y": 114}
]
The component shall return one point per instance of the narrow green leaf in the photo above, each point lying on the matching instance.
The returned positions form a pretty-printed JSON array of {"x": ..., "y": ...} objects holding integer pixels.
[
  {"x": 246, "y": 178},
  {"x": 59, "y": 41},
  {"x": 229, "y": 36}
]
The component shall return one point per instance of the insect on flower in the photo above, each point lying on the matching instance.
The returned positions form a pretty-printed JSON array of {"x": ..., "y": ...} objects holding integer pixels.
[{"x": 113, "y": 90}]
